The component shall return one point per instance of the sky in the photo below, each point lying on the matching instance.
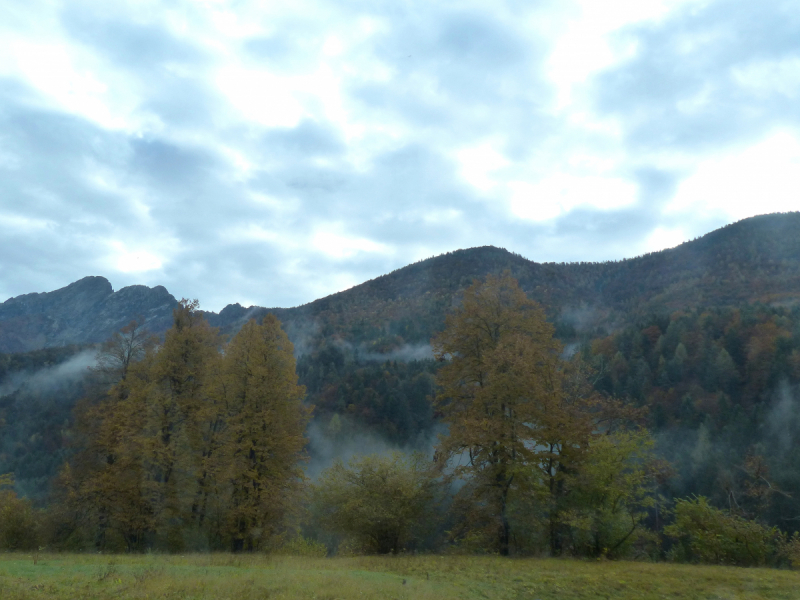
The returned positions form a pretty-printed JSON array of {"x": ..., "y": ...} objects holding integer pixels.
[{"x": 272, "y": 153}]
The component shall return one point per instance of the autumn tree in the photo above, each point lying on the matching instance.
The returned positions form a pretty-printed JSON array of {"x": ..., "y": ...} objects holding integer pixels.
[
  {"x": 262, "y": 438},
  {"x": 382, "y": 503},
  {"x": 521, "y": 419},
  {"x": 18, "y": 519},
  {"x": 99, "y": 495},
  {"x": 196, "y": 445},
  {"x": 500, "y": 378},
  {"x": 165, "y": 418}
]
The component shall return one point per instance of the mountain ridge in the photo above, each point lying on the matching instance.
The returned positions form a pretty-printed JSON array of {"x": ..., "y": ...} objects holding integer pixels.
[{"x": 752, "y": 260}]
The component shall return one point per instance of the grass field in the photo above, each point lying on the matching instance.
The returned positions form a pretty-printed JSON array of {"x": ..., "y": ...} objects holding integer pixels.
[{"x": 242, "y": 577}]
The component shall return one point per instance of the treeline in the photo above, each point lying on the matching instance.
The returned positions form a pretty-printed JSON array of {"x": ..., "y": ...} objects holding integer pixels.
[
  {"x": 196, "y": 443},
  {"x": 720, "y": 384}
]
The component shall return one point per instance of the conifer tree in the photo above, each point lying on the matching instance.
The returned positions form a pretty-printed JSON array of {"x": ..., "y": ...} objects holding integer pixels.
[
  {"x": 194, "y": 442},
  {"x": 264, "y": 437}
]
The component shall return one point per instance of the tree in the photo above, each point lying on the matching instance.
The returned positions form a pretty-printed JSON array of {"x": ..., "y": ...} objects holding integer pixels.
[
  {"x": 383, "y": 502},
  {"x": 123, "y": 349},
  {"x": 263, "y": 440},
  {"x": 497, "y": 390},
  {"x": 136, "y": 473},
  {"x": 521, "y": 419},
  {"x": 165, "y": 417},
  {"x": 100, "y": 493},
  {"x": 19, "y": 527},
  {"x": 612, "y": 492},
  {"x": 195, "y": 447}
]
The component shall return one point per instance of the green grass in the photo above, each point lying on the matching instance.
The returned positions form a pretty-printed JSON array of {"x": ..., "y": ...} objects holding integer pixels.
[{"x": 241, "y": 577}]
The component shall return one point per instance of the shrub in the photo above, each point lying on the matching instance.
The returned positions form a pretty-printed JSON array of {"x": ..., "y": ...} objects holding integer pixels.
[
  {"x": 710, "y": 535},
  {"x": 790, "y": 549},
  {"x": 381, "y": 503},
  {"x": 303, "y": 546},
  {"x": 18, "y": 520}
]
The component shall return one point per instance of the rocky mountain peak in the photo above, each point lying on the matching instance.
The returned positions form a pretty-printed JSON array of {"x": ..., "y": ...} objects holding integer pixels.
[{"x": 86, "y": 311}]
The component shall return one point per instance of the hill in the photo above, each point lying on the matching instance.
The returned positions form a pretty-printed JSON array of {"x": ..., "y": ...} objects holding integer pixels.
[
  {"x": 754, "y": 260},
  {"x": 85, "y": 312},
  {"x": 707, "y": 335}
]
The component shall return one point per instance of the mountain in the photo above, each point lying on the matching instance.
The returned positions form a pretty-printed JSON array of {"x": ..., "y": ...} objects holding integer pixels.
[
  {"x": 754, "y": 260},
  {"x": 84, "y": 312},
  {"x": 707, "y": 335}
]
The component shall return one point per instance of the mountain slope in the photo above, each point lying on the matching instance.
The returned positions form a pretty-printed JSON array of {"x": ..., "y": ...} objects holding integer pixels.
[
  {"x": 754, "y": 260},
  {"x": 83, "y": 312}
]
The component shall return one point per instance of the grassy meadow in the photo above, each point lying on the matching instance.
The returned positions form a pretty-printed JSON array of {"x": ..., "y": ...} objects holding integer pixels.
[{"x": 241, "y": 577}]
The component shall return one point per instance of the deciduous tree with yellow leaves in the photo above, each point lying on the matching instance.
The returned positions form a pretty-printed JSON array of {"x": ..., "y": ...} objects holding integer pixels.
[{"x": 520, "y": 419}]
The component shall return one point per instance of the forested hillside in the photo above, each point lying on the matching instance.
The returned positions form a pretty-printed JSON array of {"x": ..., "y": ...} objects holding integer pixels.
[{"x": 705, "y": 336}]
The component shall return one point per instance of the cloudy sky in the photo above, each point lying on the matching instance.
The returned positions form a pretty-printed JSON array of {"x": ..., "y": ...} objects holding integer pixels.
[{"x": 275, "y": 152}]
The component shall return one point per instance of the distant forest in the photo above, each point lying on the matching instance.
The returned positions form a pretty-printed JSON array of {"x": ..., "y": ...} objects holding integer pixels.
[{"x": 702, "y": 340}]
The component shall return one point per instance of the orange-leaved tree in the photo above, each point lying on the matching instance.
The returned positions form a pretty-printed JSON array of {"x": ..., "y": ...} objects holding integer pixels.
[
  {"x": 501, "y": 369},
  {"x": 520, "y": 418}
]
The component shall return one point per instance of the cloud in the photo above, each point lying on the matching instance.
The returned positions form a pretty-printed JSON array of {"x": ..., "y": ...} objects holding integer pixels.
[
  {"x": 767, "y": 172},
  {"x": 706, "y": 75},
  {"x": 274, "y": 154},
  {"x": 50, "y": 379}
]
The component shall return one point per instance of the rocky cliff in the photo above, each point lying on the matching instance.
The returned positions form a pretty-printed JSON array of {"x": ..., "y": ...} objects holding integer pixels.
[{"x": 84, "y": 312}]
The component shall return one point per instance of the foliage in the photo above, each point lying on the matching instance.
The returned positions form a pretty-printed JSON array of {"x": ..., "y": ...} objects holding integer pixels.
[
  {"x": 192, "y": 448},
  {"x": 383, "y": 502},
  {"x": 18, "y": 520},
  {"x": 521, "y": 420},
  {"x": 790, "y": 549},
  {"x": 710, "y": 535},
  {"x": 499, "y": 383},
  {"x": 612, "y": 492},
  {"x": 264, "y": 425}
]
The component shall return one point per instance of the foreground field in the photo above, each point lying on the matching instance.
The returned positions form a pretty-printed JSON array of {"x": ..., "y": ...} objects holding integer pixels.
[{"x": 242, "y": 577}]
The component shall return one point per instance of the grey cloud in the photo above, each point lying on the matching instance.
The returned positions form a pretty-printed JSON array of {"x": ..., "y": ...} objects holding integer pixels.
[
  {"x": 125, "y": 42},
  {"x": 481, "y": 73},
  {"x": 656, "y": 186},
  {"x": 53, "y": 154},
  {"x": 308, "y": 139},
  {"x": 170, "y": 165},
  {"x": 681, "y": 90}
]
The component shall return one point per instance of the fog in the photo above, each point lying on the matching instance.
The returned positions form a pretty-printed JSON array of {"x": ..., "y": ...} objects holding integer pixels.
[
  {"x": 328, "y": 444},
  {"x": 50, "y": 379}
]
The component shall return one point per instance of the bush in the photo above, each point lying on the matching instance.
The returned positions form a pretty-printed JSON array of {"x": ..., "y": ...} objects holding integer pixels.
[
  {"x": 790, "y": 549},
  {"x": 305, "y": 547},
  {"x": 710, "y": 535},
  {"x": 19, "y": 523},
  {"x": 381, "y": 503}
]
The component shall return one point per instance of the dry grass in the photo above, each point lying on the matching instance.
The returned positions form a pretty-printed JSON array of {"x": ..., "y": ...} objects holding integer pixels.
[{"x": 241, "y": 577}]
